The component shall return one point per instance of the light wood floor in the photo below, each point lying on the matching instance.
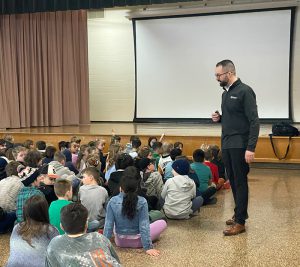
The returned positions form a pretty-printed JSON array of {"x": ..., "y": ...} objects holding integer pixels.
[{"x": 272, "y": 237}]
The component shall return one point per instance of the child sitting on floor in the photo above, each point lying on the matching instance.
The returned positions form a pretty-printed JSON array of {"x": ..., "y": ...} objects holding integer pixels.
[
  {"x": 175, "y": 152},
  {"x": 217, "y": 159},
  {"x": 127, "y": 214},
  {"x": 206, "y": 188},
  {"x": 178, "y": 145},
  {"x": 94, "y": 197},
  {"x": 219, "y": 182},
  {"x": 122, "y": 162},
  {"x": 76, "y": 247},
  {"x": 30, "y": 238},
  {"x": 179, "y": 193},
  {"x": 151, "y": 179},
  {"x": 165, "y": 157},
  {"x": 63, "y": 191},
  {"x": 156, "y": 152}
]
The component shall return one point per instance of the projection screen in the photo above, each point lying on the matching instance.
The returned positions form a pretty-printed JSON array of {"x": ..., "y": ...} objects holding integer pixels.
[{"x": 176, "y": 58}]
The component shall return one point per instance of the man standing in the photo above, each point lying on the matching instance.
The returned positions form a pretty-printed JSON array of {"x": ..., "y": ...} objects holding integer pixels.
[{"x": 240, "y": 129}]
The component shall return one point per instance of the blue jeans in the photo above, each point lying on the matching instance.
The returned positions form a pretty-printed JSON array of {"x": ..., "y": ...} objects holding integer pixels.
[
  {"x": 197, "y": 202},
  {"x": 95, "y": 225},
  {"x": 7, "y": 224}
]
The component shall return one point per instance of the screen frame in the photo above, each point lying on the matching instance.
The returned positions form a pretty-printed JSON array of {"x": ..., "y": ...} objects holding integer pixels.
[{"x": 207, "y": 120}]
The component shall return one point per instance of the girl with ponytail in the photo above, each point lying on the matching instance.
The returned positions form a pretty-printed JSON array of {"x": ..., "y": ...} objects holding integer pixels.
[{"x": 127, "y": 214}]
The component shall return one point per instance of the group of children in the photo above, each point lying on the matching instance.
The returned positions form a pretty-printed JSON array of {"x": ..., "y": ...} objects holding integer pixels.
[{"x": 73, "y": 201}]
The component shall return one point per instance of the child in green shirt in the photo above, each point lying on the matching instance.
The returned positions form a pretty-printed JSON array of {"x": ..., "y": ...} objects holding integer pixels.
[{"x": 63, "y": 191}]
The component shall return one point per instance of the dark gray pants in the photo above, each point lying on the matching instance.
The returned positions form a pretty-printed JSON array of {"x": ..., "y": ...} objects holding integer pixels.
[{"x": 237, "y": 170}]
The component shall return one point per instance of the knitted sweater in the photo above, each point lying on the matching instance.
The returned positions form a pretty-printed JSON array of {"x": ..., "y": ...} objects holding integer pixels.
[{"x": 9, "y": 189}]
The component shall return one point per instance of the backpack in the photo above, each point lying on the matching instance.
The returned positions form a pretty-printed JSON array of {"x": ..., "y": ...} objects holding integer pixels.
[{"x": 283, "y": 129}]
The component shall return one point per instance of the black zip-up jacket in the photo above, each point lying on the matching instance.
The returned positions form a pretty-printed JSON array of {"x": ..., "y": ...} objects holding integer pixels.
[{"x": 240, "y": 122}]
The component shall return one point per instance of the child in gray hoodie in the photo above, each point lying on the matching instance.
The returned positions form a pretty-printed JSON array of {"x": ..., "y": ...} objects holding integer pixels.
[
  {"x": 179, "y": 193},
  {"x": 94, "y": 197}
]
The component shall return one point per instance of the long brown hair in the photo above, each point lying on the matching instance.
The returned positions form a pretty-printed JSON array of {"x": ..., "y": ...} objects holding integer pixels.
[
  {"x": 113, "y": 151},
  {"x": 36, "y": 219},
  {"x": 81, "y": 154}
]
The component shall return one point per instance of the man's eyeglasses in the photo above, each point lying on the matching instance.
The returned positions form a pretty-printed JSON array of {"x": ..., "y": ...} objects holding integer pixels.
[{"x": 221, "y": 74}]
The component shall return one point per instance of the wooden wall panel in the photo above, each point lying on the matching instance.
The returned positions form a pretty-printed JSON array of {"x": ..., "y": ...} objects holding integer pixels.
[{"x": 264, "y": 152}]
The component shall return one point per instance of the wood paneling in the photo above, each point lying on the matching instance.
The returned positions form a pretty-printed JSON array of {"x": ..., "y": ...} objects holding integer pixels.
[{"x": 264, "y": 152}]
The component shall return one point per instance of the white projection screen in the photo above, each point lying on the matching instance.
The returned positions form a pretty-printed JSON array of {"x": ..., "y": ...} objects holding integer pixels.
[{"x": 176, "y": 58}]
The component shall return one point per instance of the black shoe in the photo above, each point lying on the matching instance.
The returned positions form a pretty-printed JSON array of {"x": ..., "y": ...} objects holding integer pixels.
[{"x": 210, "y": 201}]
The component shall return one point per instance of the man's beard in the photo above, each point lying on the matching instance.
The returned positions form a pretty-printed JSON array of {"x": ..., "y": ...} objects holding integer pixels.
[{"x": 223, "y": 83}]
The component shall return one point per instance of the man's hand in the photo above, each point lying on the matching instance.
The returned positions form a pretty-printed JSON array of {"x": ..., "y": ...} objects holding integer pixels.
[
  {"x": 153, "y": 252},
  {"x": 249, "y": 156},
  {"x": 215, "y": 116}
]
